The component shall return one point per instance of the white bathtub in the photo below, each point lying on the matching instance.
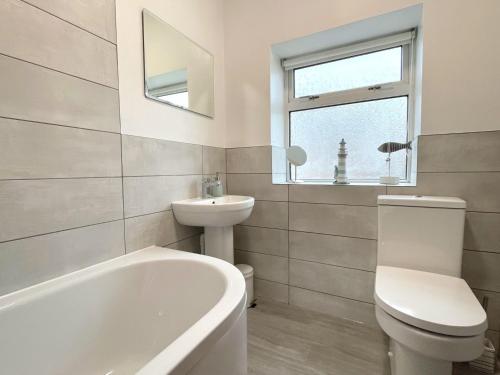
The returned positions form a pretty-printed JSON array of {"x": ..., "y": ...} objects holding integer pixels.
[{"x": 155, "y": 311}]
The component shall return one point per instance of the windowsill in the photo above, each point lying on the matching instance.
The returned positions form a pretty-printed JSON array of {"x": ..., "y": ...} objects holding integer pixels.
[{"x": 326, "y": 183}]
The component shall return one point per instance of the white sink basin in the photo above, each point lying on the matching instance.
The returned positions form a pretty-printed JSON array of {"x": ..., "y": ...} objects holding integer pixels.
[
  {"x": 217, "y": 215},
  {"x": 214, "y": 212}
]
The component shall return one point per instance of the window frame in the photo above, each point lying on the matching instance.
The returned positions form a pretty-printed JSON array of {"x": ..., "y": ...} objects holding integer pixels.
[{"x": 404, "y": 87}]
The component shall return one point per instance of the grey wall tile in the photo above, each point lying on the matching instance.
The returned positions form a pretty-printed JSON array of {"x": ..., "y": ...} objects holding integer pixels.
[
  {"x": 191, "y": 244},
  {"x": 480, "y": 190},
  {"x": 342, "y": 282},
  {"x": 32, "y": 207},
  {"x": 261, "y": 240},
  {"x": 279, "y": 162},
  {"x": 33, "y": 260},
  {"x": 270, "y": 291},
  {"x": 482, "y": 231},
  {"x": 492, "y": 309},
  {"x": 34, "y": 94},
  {"x": 350, "y": 221},
  {"x": 158, "y": 229},
  {"x": 337, "y": 306},
  {"x": 352, "y": 195},
  {"x": 214, "y": 160},
  {"x": 269, "y": 214},
  {"x": 481, "y": 270},
  {"x": 267, "y": 267},
  {"x": 341, "y": 251},
  {"x": 259, "y": 186},
  {"x": 34, "y": 150},
  {"x": 469, "y": 152},
  {"x": 249, "y": 159},
  {"x": 96, "y": 16},
  {"x": 143, "y": 195},
  {"x": 149, "y": 156},
  {"x": 33, "y": 35}
]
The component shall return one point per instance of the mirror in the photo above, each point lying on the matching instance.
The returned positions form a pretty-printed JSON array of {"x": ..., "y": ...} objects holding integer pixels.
[
  {"x": 177, "y": 71},
  {"x": 296, "y": 155}
]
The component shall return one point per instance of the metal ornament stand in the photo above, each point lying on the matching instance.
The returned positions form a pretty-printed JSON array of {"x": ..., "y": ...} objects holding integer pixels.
[{"x": 389, "y": 180}]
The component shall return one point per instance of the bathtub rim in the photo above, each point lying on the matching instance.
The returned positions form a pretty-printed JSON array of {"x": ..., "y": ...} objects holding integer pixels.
[{"x": 190, "y": 346}]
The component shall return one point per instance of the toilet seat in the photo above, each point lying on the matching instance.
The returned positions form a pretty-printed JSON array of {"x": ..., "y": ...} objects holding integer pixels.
[{"x": 433, "y": 302}]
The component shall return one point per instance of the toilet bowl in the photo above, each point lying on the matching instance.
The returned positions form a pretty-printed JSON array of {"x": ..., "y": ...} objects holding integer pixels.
[
  {"x": 431, "y": 319},
  {"x": 429, "y": 313}
]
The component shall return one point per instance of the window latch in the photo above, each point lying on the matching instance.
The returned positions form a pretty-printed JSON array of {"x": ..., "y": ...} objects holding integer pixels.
[
  {"x": 313, "y": 97},
  {"x": 373, "y": 88}
]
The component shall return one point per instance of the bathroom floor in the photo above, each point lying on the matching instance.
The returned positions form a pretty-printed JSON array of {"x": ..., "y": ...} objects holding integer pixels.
[{"x": 286, "y": 340}]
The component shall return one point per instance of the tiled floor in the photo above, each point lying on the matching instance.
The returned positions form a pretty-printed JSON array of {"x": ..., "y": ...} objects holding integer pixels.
[{"x": 286, "y": 340}]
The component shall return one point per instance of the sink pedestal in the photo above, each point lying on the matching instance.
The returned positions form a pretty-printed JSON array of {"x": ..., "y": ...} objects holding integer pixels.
[{"x": 219, "y": 243}]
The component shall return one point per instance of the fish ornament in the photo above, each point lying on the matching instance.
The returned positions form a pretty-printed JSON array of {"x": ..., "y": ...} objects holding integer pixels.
[{"x": 389, "y": 147}]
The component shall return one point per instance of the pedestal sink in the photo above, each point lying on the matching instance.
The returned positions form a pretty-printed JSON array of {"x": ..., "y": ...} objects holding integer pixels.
[{"x": 217, "y": 215}]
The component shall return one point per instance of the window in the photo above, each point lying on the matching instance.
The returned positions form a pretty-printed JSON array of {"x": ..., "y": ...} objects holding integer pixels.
[{"x": 362, "y": 93}]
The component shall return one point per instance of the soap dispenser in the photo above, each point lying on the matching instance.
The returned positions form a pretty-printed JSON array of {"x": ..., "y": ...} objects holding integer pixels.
[{"x": 217, "y": 190}]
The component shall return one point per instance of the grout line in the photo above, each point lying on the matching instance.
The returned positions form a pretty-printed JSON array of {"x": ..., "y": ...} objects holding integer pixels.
[
  {"x": 59, "y": 71},
  {"x": 59, "y": 178},
  {"x": 147, "y": 214},
  {"x": 486, "y": 290},
  {"x": 121, "y": 144},
  {"x": 288, "y": 243},
  {"x": 184, "y": 239},
  {"x": 168, "y": 140},
  {"x": 447, "y": 172},
  {"x": 69, "y": 22},
  {"x": 332, "y": 265},
  {"x": 261, "y": 253},
  {"x": 271, "y": 281},
  {"x": 333, "y": 295},
  {"x": 253, "y": 226},
  {"x": 202, "y": 156},
  {"x": 163, "y": 175},
  {"x": 59, "y": 231},
  {"x": 60, "y": 125},
  {"x": 256, "y": 252},
  {"x": 334, "y": 204},
  {"x": 301, "y": 231},
  {"x": 460, "y": 133},
  {"x": 483, "y": 251},
  {"x": 305, "y": 260},
  {"x": 258, "y": 173}
]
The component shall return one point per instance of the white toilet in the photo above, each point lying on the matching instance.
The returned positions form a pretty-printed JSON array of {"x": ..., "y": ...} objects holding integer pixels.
[{"x": 429, "y": 312}]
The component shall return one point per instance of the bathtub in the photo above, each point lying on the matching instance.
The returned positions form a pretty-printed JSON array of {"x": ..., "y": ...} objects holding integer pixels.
[{"x": 154, "y": 311}]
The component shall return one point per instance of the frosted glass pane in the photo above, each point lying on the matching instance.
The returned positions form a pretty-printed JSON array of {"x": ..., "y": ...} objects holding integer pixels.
[
  {"x": 354, "y": 72},
  {"x": 364, "y": 126}
]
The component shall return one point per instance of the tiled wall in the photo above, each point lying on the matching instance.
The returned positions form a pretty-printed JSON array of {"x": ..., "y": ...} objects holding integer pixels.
[
  {"x": 63, "y": 202},
  {"x": 156, "y": 173},
  {"x": 315, "y": 245}
]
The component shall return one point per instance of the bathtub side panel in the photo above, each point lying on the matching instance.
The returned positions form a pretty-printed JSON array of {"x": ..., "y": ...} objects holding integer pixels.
[{"x": 229, "y": 355}]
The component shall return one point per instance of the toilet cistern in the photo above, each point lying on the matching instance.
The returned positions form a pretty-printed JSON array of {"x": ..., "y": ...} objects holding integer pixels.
[{"x": 217, "y": 215}]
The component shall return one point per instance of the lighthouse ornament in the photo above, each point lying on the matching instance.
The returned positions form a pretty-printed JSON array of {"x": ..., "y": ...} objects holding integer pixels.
[{"x": 340, "y": 168}]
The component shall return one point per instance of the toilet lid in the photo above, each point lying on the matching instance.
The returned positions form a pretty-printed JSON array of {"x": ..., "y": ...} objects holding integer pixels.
[{"x": 437, "y": 303}]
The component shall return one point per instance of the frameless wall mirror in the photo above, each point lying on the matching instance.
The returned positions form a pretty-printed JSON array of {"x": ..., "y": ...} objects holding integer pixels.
[{"x": 177, "y": 71}]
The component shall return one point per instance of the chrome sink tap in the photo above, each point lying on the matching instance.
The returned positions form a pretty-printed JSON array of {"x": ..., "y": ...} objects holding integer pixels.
[{"x": 206, "y": 183}]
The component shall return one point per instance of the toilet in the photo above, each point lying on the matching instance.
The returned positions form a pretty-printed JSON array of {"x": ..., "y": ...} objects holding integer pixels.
[{"x": 421, "y": 302}]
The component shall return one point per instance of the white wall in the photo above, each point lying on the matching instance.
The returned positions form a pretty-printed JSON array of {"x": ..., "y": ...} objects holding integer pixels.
[
  {"x": 199, "y": 20},
  {"x": 461, "y": 85}
]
